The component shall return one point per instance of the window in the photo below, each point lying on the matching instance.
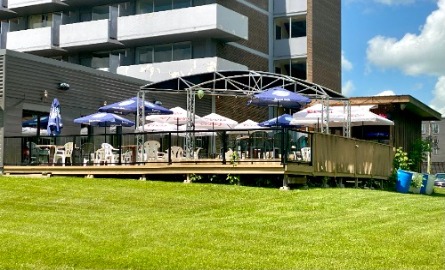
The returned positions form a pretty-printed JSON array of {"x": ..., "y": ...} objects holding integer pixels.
[
  {"x": 100, "y": 13},
  {"x": 182, "y": 51},
  {"x": 144, "y": 55},
  {"x": 162, "y": 53},
  {"x": 423, "y": 128},
  {"x": 298, "y": 28},
  {"x": 96, "y": 60},
  {"x": 144, "y": 6},
  {"x": 182, "y": 3},
  {"x": 286, "y": 28},
  {"x": 434, "y": 128},
  {"x": 161, "y": 5},
  {"x": 39, "y": 21}
]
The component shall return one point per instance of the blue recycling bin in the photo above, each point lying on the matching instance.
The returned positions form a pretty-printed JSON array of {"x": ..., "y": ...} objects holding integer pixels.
[{"x": 403, "y": 181}]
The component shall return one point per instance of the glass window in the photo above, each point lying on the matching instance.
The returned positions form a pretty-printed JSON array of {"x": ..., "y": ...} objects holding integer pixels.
[
  {"x": 162, "y": 53},
  {"x": 423, "y": 128},
  {"x": 434, "y": 128},
  {"x": 100, "y": 13},
  {"x": 182, "y": 3},
  {"x": 38, "y": 21},
  {"x": 144, "y": 6},
  {"x": 160, "y": 5},
  {"x": 298, "y": 28},
  {"x": 182, "y": 51},
  {"x": 96, "y": 60},
  {"x": 144, "y": 55}
]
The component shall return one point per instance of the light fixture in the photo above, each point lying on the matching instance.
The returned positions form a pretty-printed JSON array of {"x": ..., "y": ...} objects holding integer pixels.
[
  {"x": 63, "y": 86},
  {"x": 157, "y": 102},
  {"x": 44, "y": 95},
  {"x": 105, "y": 103}
]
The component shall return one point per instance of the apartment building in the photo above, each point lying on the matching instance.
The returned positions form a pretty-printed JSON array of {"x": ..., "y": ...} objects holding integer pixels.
[
  {"x": 154, "y": 40},
  {"x": 434, "y": 131}
]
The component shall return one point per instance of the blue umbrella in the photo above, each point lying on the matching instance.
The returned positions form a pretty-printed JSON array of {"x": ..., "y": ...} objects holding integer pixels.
[
  {"x": 33, "y": 122},
  {"x": 103, "y": 119},
  {"x": 279, "y": 97},
  {"x": 130, "y": 106},
  {"x": 55, "y": 120},
  {"x": 280, "y": 121}
]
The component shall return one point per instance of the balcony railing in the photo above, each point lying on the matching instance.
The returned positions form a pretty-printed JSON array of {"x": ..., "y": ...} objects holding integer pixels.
[
  {"x": 290, "y": 48},
  {"x": 208, "y": 20}
]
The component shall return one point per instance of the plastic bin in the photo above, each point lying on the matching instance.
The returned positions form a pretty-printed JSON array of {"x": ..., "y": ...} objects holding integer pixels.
[
  {"x": 427, "y": 184},
  {"x": 403, "y": 181}
]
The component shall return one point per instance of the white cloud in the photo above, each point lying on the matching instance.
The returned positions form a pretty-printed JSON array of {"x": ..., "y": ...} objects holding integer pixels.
[
  {"x": 438, "y": 102},
  {"x": 345, "y": 63},
  {"x": 386, "y": 93},
  {"x": 414, "y": 54},
  {"x": 395, "y": 2},
  {"x": 347, "y": 88}
]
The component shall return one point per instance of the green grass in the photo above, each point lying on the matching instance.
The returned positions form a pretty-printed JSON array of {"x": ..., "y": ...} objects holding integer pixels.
[{"x": 75, "y": 223}]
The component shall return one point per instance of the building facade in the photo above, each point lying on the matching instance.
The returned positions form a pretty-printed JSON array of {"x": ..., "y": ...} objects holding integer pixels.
[
  {"x": 154, "y": 40},
  {"x": 434, "y": 131}
]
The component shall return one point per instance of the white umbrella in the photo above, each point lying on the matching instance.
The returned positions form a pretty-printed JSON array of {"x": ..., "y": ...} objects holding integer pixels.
[
  {"x": 158, "y": 127},
  {"x": 199, "y": 131},
  {"x": 178, "y": 117},
  {"x": 245, "y": 126},
  {"x": 360, "y": 115},
  {"x": 215, "y": 121}
]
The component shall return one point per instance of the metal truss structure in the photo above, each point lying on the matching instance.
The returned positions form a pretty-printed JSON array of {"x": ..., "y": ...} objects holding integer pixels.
[{"x": 235, "y": 83}]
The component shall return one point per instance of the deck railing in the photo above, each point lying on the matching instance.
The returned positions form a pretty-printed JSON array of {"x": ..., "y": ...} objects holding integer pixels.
[{"x": 220, "y": 146}]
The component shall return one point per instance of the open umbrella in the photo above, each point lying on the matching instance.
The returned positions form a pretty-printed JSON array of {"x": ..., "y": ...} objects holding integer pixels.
[
  {"x": 245, "y": 126},
  {"x": 158, "y": 126},
  {"x": 215, "y": 121},
  {"x": 55, "y": 119},
  {"x": 129, "y": 106},
  {"x": 283, "y": 120},
  {"x": 103, "y": 119},
  {"x": 178, "y": 117},
  {"x": 360, "y": 115},
  {"x": 279, "y": 97}
]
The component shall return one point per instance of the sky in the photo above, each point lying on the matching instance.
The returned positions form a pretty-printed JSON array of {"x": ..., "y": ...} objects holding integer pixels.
[{"x": 394, "y": 47}]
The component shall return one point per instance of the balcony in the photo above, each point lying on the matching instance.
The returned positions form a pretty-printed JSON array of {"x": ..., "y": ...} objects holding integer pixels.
[
  {"x": 87, "y": 35},
  {"x": 38, "y": 41},
  {"x": 5, "y": 12},
  {"x": 289, "y": 7},
  {"x": 290, "y": 48},
  {"x": 35, "y": 6},
  {"x": 202, "y": 21},
  {"x": 167, "y": 70}
]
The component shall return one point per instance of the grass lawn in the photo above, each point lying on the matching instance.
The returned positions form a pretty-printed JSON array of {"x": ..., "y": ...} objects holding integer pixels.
[{"x": 77, "y": 223}]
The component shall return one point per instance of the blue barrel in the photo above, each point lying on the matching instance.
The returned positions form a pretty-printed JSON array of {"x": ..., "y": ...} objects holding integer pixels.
[
  {"x": 403, "y": 181},
  {"x": 424, "y": 183}
]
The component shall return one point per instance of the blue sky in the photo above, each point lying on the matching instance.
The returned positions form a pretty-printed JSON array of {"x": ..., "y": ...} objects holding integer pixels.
[{"x": 394, "y": 47}]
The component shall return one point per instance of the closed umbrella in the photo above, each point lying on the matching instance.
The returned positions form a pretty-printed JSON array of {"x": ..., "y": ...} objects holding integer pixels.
[{"x": 55, "y": 119}]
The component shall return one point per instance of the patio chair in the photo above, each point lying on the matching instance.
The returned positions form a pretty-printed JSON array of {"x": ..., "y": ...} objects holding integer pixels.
[
  {"x": 151, "y": 149},
  {"x": 306, "y": 154},
  {"x": 87, "y": 153},
  {"x": 63, "y": 153},
  {"x": 37, "y": 155},
  {"x": 107, "y": 154},
  {"x": 176, "y": 152}
]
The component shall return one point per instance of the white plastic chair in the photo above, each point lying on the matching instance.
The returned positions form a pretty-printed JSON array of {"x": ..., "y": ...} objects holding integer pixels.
[
  {"x": 64, "y": 153},
  {"x": 151, "y": 149},
  {"x": 107, "y": 154},
  {"x": 306, "y": 154}
]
